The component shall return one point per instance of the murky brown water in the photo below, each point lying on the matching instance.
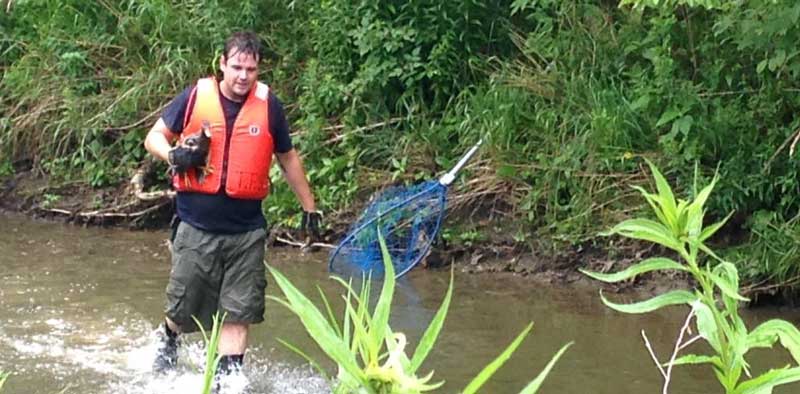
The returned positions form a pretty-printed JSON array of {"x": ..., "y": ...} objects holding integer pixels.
[{"x": 78, "y": 308}]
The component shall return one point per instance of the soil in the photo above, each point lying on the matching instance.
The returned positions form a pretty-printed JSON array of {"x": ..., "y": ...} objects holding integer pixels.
[{"x": 35, "y": 195}]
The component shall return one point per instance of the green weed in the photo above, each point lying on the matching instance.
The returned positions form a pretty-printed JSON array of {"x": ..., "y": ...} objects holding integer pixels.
[
  {"x": 371, "y": 358},
  {"x": 770, "y": 254},
  {"x": 211, "y": 340},
  {"x": 714, "y": 303}
]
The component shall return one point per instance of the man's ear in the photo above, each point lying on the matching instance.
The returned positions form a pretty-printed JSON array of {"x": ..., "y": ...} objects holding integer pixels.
[{"x": 222, "y": 61}]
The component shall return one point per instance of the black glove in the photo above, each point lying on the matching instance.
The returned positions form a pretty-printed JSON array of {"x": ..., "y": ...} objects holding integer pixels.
[
  {"x": 309, "y": 227},
  {"x": 182, "y": 158}
]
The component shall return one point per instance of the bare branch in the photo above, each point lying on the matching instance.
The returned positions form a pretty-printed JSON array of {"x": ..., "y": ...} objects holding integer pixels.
[
  {"x": 653, "y": 355},
  {"x": 678, "y": 346}
]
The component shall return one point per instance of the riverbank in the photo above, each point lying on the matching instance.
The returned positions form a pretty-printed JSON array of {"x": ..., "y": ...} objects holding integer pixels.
[
  {"x": 401, "y": 100},
  {"x": 496, "y": 256}
]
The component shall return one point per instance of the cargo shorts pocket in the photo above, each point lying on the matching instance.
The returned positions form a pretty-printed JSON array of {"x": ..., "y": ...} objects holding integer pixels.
[{"x": 175, "y": 309}]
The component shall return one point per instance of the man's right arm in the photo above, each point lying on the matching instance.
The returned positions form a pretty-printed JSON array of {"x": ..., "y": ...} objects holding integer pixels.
[
  {"x": 159, "y": 140},
  {"x": 161, "y": 136}
]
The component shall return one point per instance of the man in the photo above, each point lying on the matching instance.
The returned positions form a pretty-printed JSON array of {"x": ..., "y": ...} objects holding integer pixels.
[{"x": 218, "y": 245}]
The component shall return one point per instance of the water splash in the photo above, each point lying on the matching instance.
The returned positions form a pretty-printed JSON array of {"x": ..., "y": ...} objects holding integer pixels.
[{"x": 115, "y": 357}]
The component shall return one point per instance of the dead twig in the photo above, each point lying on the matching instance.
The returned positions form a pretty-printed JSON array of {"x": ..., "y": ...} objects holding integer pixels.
[
  {"x": 98, "y": 214},
  {"x": 758, "y": 288},
  {"x": 653, "y": 355},
  {"x": 794, "y": 142},
  {"x": 339, "y": 137},
  {"x": 679, "y": 345},
  {"x": 137, "y": 184},
  {"x": 139, "y": 122},
  {"x": 793, "y": 138},
  {"x": 288, "y": 240}
]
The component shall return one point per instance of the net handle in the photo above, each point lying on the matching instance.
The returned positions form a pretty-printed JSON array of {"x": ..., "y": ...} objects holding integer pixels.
[{"x": 450, "y": 176}]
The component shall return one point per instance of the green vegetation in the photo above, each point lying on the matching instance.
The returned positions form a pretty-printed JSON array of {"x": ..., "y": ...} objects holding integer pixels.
[
  {"x": 3, "y": 377},
  {"x": 212, "y": 355},
  {"x": 566, "y": 94},
  {"x": 371, "y": 358},
  {"x": 714, "y": 303}
]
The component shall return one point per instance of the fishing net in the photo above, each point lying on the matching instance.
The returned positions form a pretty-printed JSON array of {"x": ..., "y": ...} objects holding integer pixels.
[{"x": 408, "y": 218}]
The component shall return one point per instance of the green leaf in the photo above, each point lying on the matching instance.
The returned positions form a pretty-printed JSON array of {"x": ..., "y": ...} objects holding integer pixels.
[
  {"x": 302, "y": 354},
  {"x": 667, "y": 116},
  {"x": 318, "y": 326},
  {"x": 696, "y": 210},
  {"x": 652, "y": 264},
  {"x": 329, "y": 311},
  {"x": 212, "y": 343},
  {"x": 647, "y": 230},
  {"x": 492, "y": 367},
  {"x": 766, "y": 382},
  {"x": 683, "y": 218},
  {"x": 683, "y": 125},
  {"x": 432, "y": 332},
  {"x": 694, "y": 359},
  {"x": 507, "y": 171},
  {"x": 777, "y": 61},
  {"x": 640, "y": 103},
  {"x": 768, "y": 332},
  {"x": 761, "y": 66},
  {"x": 675, "y": 297},
  {"x": 710, "y": 230},
  {"x": 380, "y": 318},
  {"x": 726, "y": 278},
  {"x": 664, "y": 191},
  {"x": 707, "y": 250},
  {"x": 534, "y": 385},
  {"x": 706, "y": 325},
  {"x": 655, "y": 204}
]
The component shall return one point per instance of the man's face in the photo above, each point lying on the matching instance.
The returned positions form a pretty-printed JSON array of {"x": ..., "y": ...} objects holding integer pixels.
[{"x": 239, "y": 73}]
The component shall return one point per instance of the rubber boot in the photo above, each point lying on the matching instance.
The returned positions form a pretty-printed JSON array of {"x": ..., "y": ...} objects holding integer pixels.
[
  {"x": 228, "y": 365},
  {"x": 167, "y": 352}
]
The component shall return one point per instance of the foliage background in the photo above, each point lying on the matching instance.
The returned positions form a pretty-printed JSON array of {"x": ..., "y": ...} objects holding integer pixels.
[{"x": 568, "y": 94}]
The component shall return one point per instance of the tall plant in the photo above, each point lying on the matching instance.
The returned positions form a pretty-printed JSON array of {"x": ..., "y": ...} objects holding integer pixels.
[
  {"x": 371, "y": 358},
  {"x": 211, "y": 339},
  {"x": 3, "y": 377},
  {"x": 714, "y": 303}
]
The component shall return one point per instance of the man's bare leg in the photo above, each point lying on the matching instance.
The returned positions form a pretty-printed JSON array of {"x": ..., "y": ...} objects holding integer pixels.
[
  {"x": 172, "y": 326},
  {"x": 233, "y": 338},
  {"x": 232, "y": 345}
]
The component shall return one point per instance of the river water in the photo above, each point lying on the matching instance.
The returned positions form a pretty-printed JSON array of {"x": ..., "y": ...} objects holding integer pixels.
[{"x": 78, "y": 308}]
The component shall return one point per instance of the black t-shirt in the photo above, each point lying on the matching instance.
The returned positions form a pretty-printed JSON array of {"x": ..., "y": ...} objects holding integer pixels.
[{"x": 219, "y": 213}]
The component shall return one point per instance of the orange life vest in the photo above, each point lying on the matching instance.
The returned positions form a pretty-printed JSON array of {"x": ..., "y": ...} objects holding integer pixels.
[{"x": 242, "y": 162}]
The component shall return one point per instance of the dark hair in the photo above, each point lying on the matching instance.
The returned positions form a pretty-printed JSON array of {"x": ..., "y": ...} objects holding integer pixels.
[{"x": 245, "y": 42}]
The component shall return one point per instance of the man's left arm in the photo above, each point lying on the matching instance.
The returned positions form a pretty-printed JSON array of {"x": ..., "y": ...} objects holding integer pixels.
[{"x": 296, "y": 178}]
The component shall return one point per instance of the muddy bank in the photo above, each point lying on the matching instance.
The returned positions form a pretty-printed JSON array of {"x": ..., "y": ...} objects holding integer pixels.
[
  {"x": 132, "y": 204},
  {"x": 34, "y": 195}
]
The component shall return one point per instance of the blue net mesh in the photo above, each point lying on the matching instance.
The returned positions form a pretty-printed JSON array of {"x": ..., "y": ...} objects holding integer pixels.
[{"x": 408, "y": 218}]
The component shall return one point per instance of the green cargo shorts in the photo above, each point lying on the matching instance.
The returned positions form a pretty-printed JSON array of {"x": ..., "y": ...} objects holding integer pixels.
[{"x": 216, "y": 272}]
